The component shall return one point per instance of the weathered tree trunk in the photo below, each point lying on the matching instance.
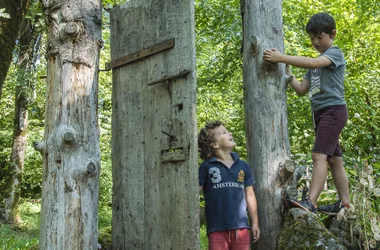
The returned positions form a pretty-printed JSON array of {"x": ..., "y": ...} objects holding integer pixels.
[
  {"x": 28, "y": 46},
  {"x": 9, "y": 29},
  {"x": 71, "y": 154},
  {"x": 266, "y": 114},
  {"x": 154, "y": 157}
]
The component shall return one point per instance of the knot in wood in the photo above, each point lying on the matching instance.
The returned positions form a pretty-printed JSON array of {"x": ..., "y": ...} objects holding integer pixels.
[
  {"x": 254, "y": 45},
  {"x": 69, "y": 137},
  {"x": 289, "y": 166},
  {"x": 72, "y": 29},
  {"x": 269, "y": 66},
  {"x": 91, "y": 167},
  {"x": 40, "y": 146}
]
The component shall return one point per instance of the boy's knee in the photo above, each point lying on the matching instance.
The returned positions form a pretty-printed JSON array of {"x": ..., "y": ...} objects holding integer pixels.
[
  {"x": 318, "y": 157},
  {"x": 334, "y": 160}
]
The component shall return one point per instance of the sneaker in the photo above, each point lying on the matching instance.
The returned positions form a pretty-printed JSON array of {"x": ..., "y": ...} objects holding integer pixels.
[
  {"x": 333, "y": 209},
  {"x": 305, "y": 204}
]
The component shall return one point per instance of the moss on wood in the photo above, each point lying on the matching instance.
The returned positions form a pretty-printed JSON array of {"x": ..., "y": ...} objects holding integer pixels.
[{"x": 303, "y": 230}]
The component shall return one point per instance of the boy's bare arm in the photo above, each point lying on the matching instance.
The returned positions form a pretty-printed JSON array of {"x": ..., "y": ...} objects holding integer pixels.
[
  {"x": 300, "y": 88},
  {"x": 274, "y": 55},
  {"x": 252, "y": 210}
]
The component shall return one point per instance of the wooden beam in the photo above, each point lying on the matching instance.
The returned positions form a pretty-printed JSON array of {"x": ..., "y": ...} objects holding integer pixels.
[
  {"x": 182, "y": 73},
  {"x": 168, "y": 44}
]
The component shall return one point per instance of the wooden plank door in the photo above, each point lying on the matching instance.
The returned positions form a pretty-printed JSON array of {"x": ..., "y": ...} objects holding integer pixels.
[{"x": 154, "y": 151}]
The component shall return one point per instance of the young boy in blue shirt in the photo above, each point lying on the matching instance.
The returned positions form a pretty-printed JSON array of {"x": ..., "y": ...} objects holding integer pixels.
[
  {"x": 324, "y": 81},
  {"x": 227, "y": 184}
]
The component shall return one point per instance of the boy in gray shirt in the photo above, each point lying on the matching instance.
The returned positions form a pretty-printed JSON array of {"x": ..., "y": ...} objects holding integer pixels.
[{"x": 324, "y": 81}]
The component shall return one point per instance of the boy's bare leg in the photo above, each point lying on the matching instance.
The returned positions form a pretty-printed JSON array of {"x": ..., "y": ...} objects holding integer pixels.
[
  {"x": 318, "y": 177},
  {"x": 340, "y": 178}
]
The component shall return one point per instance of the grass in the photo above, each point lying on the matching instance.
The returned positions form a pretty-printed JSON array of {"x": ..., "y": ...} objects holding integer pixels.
[
  {"x": 203, "y": 238},
  {"x": 25, "y": 236}
]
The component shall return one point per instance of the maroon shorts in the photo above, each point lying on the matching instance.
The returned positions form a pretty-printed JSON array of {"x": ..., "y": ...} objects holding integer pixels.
[
  {"x": 235, "y": 239},
  {"x": 328, "y": 124}
]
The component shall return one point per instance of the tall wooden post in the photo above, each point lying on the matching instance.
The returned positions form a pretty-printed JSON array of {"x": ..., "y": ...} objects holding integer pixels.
[
  {"x": 265, "y": 113},
  {"x": 71, "y": 155},
  {"x": 154, "y": 157}
]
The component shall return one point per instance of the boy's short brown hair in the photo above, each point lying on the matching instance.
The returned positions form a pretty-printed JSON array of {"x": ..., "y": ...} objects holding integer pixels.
[
  {"x": 321, "y": 22},
  {"x": 206, "y": 138}
]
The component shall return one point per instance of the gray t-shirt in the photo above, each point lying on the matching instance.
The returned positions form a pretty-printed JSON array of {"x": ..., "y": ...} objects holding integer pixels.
[{"x": 327, "y": 83}]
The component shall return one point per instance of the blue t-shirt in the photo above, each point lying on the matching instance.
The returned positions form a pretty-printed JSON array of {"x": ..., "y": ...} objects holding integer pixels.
[
  {"x": 224, "y": 192},
  {"x": 327, "y": 83}
]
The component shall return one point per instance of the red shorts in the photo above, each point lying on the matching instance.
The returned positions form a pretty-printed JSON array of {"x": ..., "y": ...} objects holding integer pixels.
[
  {"x": 235, "y": 239},
  {"x": 328, "y": 124}
]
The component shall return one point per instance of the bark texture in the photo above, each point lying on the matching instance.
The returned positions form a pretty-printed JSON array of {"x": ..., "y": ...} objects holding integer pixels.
[
  {"x": 28, "y": 47},
  {"x": 9, "y": 30},
  {"x": 266, "y": 114},
  {"x": 71, "y": 154},
  {"x": 154, "y": 157}
]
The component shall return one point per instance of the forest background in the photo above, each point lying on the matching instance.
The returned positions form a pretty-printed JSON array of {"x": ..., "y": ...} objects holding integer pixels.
[{"x": 220, "y": 96}]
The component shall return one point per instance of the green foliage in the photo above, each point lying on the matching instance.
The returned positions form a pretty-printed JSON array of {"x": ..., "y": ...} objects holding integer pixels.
[
  {"x": 105, "y": 237},
  {"x": 24, "y": 235},
  {"x": 7, "y": 105},
  {"x": 365, "y": 190},
  {"x": 32, "y": 177},
  {"x": 203, "y": 238},
  {"x": 105, "y": 112},
  {"x": 18, "y": 244},
  {"x": 105, "y": 228},
  {"x": 219, "y": 71},
  {"x": 109, "y": 4},
  {"x": 6, "y": 135},
  {"x": 3, "y": 14}
]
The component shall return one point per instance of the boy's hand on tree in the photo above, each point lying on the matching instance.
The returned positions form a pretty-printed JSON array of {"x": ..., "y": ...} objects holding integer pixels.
[
  {"x": 272, "y": 55},
  {"x": 289, "y": 75},
  {"x": 288, "y": 70}
]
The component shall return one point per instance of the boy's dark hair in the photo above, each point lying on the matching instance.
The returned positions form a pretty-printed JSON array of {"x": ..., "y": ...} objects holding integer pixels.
[
  {"x": 205, "y": 138},
  {"x": 321, "y": 22}
]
